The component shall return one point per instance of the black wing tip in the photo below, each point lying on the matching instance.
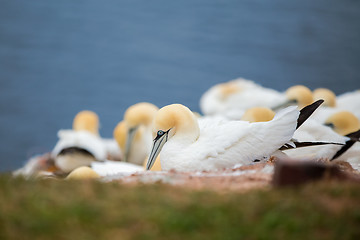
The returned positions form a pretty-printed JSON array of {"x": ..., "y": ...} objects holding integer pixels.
[
  {"x": 307, "y": 111},
  {"x": 354, "y": 137}
]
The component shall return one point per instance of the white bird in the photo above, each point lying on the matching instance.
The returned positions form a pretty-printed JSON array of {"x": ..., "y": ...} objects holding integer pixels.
[
  {"x": 350, "y": 101},
  {"x": 77, "y": 148},
  {"x": 234, "y": 97},
  {"x": 134, "y": 133},
  {"x": 329, "y": 106},
  {"x": 343, "y": 122},
  {"x": 81, "y": 145},
  {"x": 82, "y": 173},
  {"x": 258, "y": 114},
  {"x": 188, "y": 144},
  {"x": 345, "y": 102}
]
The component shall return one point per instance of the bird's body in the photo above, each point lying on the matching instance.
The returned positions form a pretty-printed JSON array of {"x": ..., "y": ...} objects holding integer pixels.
[
  {"x": 134, "y": 133},
  {"x": 212, "y": 144},
  {"x": 233, "y": 98},
  {"x": 350, "y": 101},
  {"x": 313, "y": 131},
  {"x": 77, "y": 148}
]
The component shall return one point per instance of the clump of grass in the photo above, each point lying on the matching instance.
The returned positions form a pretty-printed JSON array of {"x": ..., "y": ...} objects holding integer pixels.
[{"x": 52, "y": 209}]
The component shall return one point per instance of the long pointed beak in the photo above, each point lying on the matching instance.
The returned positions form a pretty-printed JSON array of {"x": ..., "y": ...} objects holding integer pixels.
[
  {"x": 157, "y": 146},
  {"x": 129, "y": 140},
  {"x": 284, "y": 105}
]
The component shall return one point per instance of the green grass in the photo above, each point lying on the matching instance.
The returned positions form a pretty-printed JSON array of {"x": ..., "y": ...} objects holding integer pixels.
[{"x": 52, "y": 209}]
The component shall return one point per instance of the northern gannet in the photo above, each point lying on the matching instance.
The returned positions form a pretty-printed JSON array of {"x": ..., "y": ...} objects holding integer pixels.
[
  {"x": 82, "y": 173},
  {"x": 232, "y": 98},
  {"x": 258, "y": 114},
  {"x": 187, "y": 144},
  {"x": 343, "y": 122},
  {"x": 81, "y": 145},
  {"x": 133, "y": 134},
  {"x": 327, "y": 95},
  {"x": 345, "y": 102},
  {"x": 350, "y": 101}
]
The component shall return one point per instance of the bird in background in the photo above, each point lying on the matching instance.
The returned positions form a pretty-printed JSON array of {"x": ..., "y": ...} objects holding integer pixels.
[
  {"x": 349, "y": 102},
  {"x": 134, "y": 133},
  {"x": 233, "y": 98},
  {"x": 81, "y": 145},
  {"x": 334, "y": 129}
]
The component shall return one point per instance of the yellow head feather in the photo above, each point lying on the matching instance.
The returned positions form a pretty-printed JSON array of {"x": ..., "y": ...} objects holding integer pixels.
[
  {"x": 177, "y": 117},
  {"x": 344, "y": 122},
  {"x": 327, "y": 95},
  {"x": 86, "y": 121},
  {"x": 229, "y": 88},
  {"x": 140, "y": 114},
  {"x": 301, "y": 94},
  {"x": 121, "y": 133},
  {"x": 258, "y": 114},
  {"x": 82, "y": 173}
]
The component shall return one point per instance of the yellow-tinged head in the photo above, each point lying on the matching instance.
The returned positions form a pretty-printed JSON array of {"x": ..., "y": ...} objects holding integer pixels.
[
  {"x": 86, "y": 121},
  {"x": 228, "y": 88},
  {"x": 140, "y": 114},
  {"x": 343, "y": 122},
  {"x": 301, "y": 94},
  {"x": 121, "y": 134},
  {"x": 327, "y": 95},
  {"x": 176, "y": 117},
  {"x": 82, "y": 173},
  {"x": 258, "y": 114},
  {"x": 172, "y": 121}
]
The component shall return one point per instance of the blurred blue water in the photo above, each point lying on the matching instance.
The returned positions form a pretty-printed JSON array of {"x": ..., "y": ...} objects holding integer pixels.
[{"x": 60, "y": 57}]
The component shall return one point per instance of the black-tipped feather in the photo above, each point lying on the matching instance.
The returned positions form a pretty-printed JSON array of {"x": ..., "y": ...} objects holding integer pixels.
[
  {"x": 354, "y": 137},
  {"x": 306, "y": 144},
  {"x": 306, "y": 112}
]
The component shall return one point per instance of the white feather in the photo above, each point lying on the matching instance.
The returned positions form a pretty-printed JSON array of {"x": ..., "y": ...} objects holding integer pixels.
[
  {"x": 80, "y": 139},
  {"x": 250, "y": 95},
  {"x": 350, "y": 101},
  {"x": 222, "y": 143},
  {"x": 111, "y": 168}
]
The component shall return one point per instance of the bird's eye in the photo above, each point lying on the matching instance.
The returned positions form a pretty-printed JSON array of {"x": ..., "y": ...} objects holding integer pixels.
[{"x": 160, "y": 133}]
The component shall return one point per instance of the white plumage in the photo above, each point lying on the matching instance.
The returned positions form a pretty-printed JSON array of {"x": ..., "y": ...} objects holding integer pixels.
[
  {"x": 233, "y": 98},
  {"x": 350, "y": 101},
  {"x": 108, "y": 168},
  {"x": 79, "y": 139},
  {"x": 222, "y": 144}
]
